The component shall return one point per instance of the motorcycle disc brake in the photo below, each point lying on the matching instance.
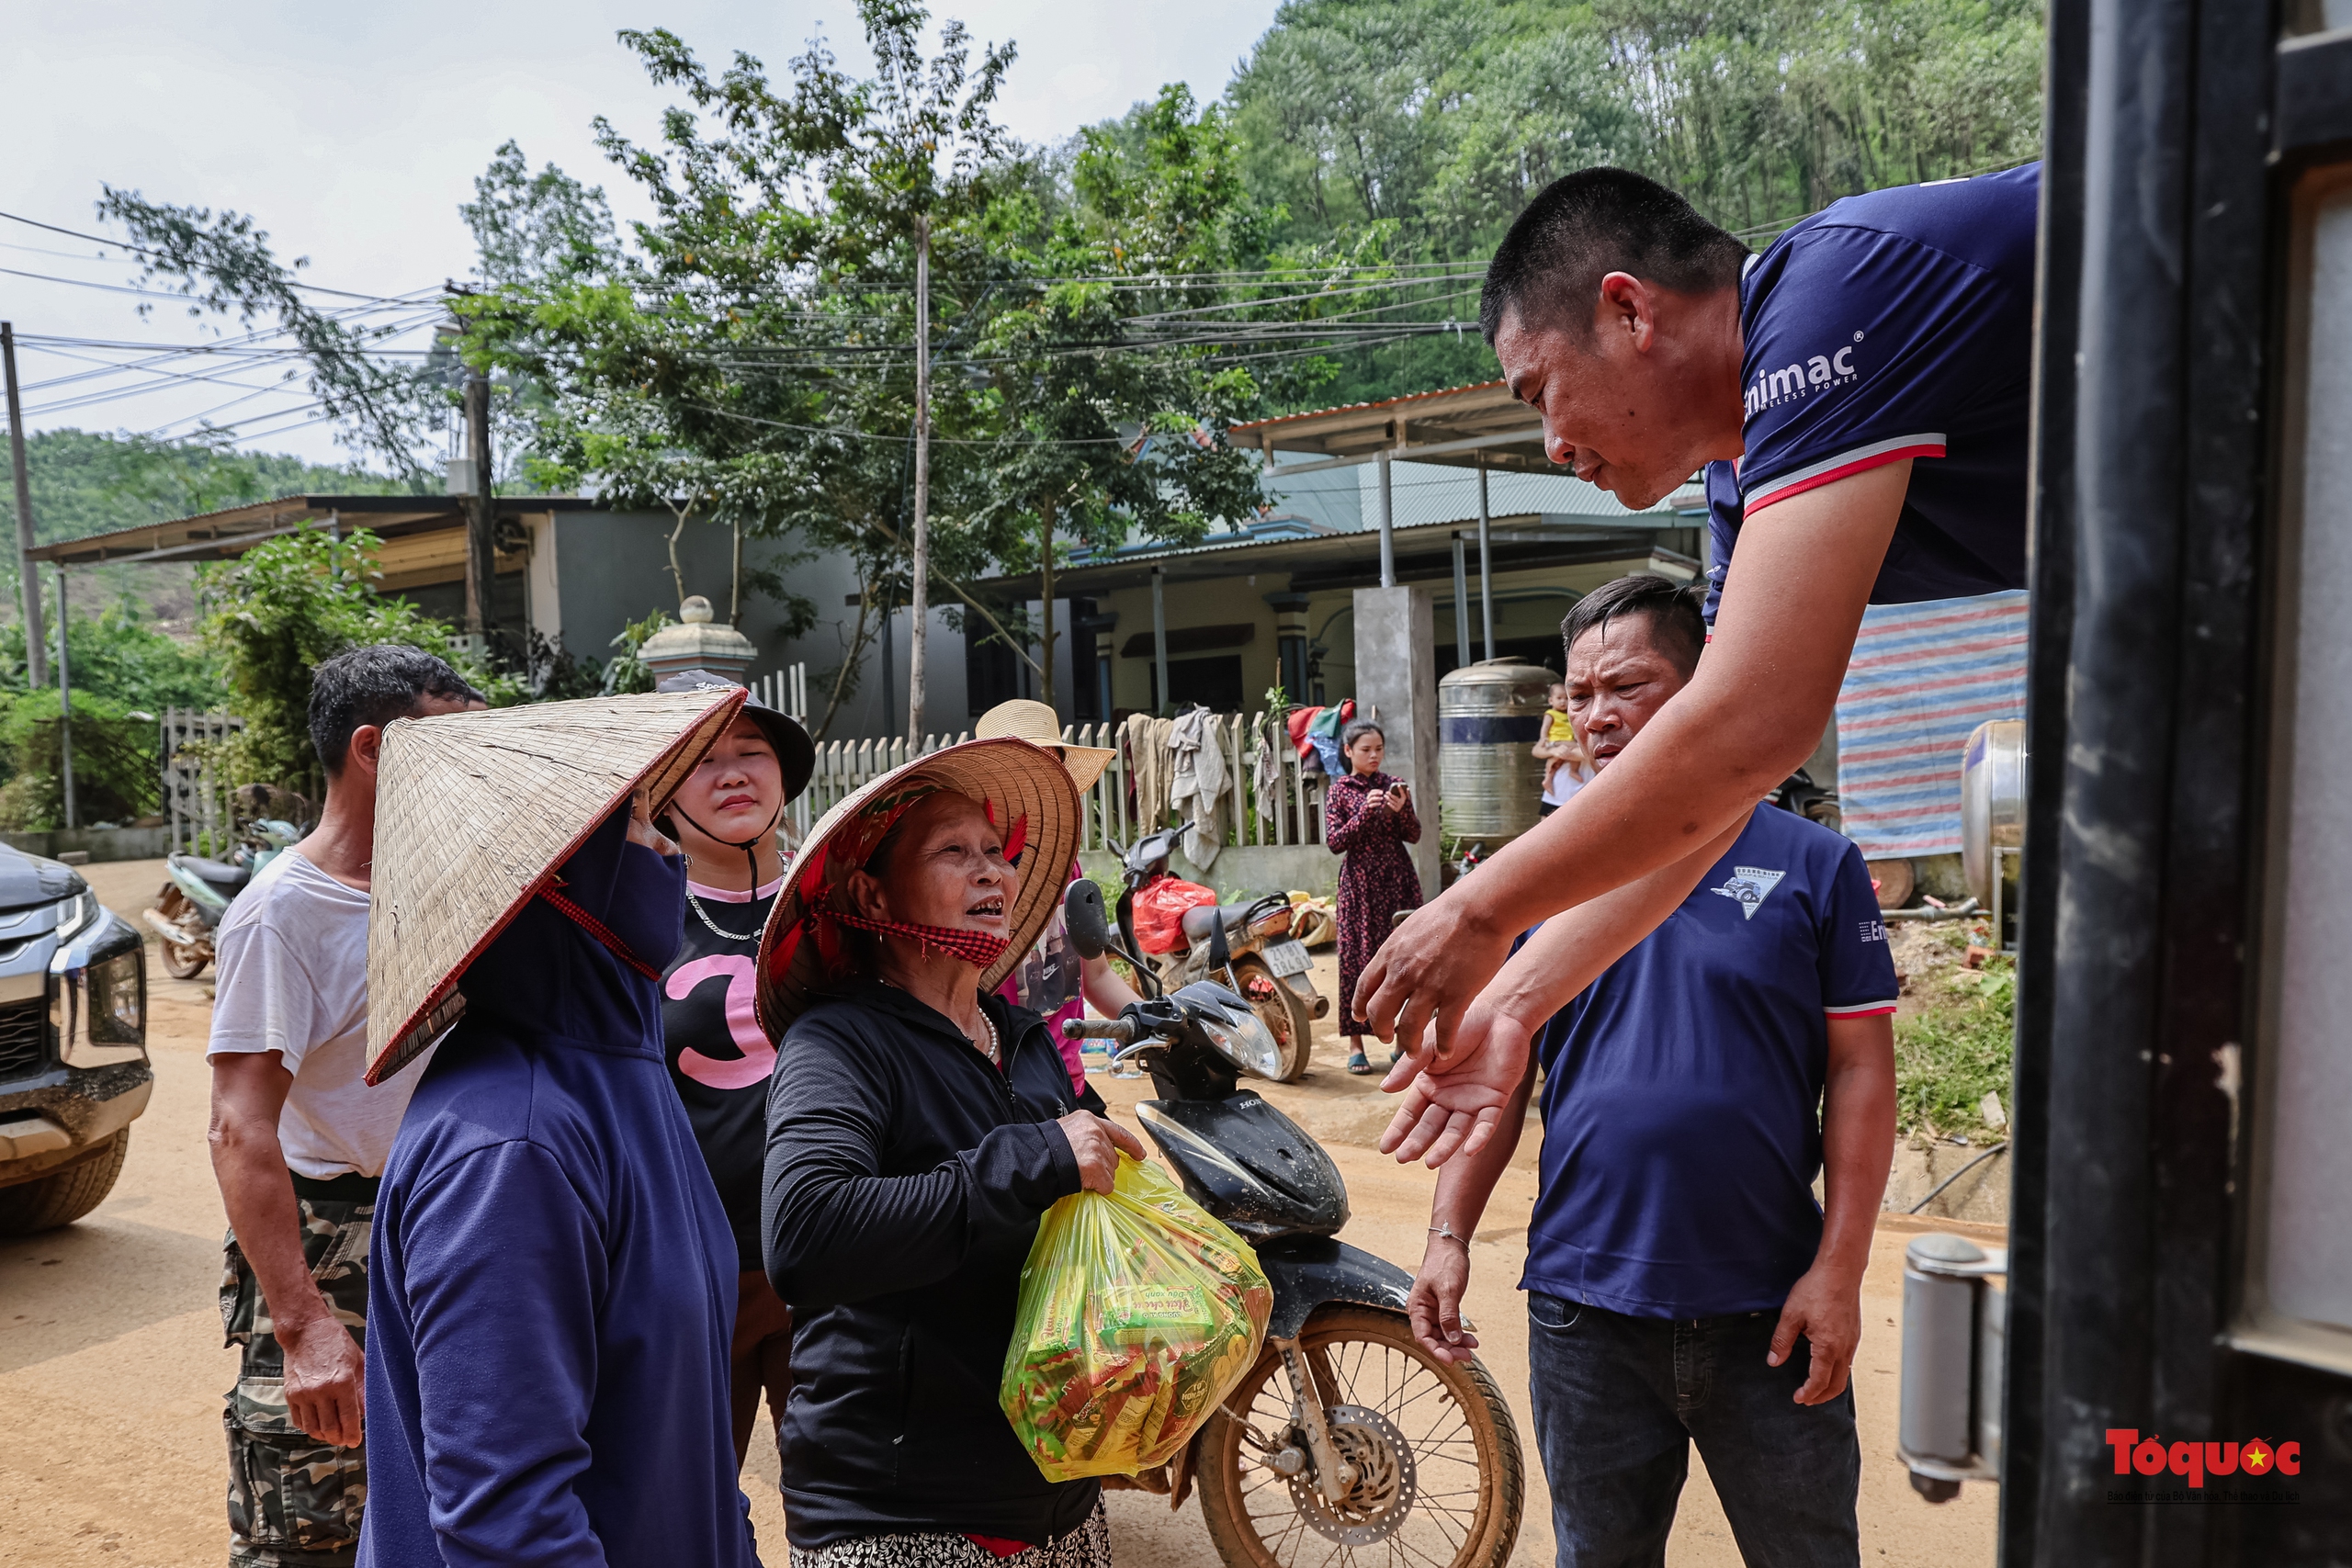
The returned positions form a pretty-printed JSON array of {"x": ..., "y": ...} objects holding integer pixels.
[{"x": 1374, "y": 1507}]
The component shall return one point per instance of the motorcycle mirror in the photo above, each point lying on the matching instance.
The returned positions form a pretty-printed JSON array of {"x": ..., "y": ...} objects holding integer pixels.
[{"x": 1090, "y": 931}]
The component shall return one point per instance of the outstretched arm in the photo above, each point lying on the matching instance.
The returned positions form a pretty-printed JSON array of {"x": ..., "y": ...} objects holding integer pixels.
[
  {"x": 1756, "y": 707},
  {"x": 1453, "y": 1109}
]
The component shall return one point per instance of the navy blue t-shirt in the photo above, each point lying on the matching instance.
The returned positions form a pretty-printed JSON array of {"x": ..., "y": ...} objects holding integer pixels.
[
  {"x": 1682, "y": 1089},
  {"x": 1891, "y": 325}
]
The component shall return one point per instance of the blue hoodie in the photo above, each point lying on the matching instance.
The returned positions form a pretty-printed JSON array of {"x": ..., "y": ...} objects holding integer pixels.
[{"x": 551, "y": 1290}]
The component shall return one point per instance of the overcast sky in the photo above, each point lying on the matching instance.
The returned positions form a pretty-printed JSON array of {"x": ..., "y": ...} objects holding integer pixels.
[{"x": 352, "y": 135}]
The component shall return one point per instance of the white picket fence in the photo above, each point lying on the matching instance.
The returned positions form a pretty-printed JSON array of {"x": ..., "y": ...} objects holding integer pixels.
[
  {"x": 195, "y": 795},
  {"x": 1290, "y": 812}
]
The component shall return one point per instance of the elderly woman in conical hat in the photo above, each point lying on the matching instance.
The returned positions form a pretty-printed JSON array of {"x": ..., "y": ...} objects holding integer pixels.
[
  {"x": 918, "y": 1126},
  {"x": 552, "y": 1285}
]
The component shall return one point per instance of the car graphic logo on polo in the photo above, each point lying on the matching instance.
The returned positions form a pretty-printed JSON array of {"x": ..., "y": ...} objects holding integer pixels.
[{"x": 1752, "y": 885}]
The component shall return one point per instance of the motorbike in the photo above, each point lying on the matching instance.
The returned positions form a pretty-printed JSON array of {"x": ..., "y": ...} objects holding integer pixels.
[
  {"x": 188, "y": 909},
  {"x": 1346, "y": 1440},
  {"x": 1249, "y": 946}
]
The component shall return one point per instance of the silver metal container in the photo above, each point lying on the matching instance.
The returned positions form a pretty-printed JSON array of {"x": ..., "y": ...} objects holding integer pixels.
[
  {"x": 1992, "y": 801},
  {"x": 1490, "y": 715}
]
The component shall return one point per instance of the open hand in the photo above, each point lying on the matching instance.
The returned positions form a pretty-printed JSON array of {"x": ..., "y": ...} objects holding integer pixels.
[
  {"x": 1454, "y": 1109},
  {"x": 1097, "y": 1143},
  {"x": 1826, "y": 1310}
]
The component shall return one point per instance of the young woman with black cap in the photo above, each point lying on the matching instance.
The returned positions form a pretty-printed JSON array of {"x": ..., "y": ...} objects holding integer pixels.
[{"x": 725, "y": 818}]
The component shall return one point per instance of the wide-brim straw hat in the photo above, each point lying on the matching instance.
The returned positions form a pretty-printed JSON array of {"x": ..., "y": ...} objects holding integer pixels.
[
  {"x": 1026, "y": 792},
  {"x": 1024, "y": 720},
  {"x": 475, "y": 811}
]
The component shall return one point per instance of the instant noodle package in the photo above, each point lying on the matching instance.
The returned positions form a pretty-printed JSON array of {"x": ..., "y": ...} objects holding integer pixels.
[{"x": 1139, "y": 1313}]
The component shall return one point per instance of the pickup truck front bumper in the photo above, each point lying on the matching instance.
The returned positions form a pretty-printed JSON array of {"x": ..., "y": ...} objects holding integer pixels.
[{"x": 73, "y": 1067}]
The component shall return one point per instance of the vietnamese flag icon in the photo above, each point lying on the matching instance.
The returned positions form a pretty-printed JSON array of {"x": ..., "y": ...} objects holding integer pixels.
[{"x": 2255, "y": 1457}]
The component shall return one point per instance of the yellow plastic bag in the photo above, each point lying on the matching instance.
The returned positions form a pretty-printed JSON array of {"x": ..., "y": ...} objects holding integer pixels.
[{"x": 1138, "y": 1313}]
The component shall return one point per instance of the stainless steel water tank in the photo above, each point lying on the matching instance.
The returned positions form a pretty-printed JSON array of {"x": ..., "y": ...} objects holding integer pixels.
[
  {"x": 1991, "y": 799},
  {"x": 1489, "y": 715}
]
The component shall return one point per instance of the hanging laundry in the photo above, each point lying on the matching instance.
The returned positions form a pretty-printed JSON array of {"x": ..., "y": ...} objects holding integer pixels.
[
  {"x": 1267, "y": 745},
  {"x": 1201, "y": 779},
  {"x": 1296, "y": 724},
  {"x": 1323, "y": 733},
  {"x": 1151, "y": 768}
]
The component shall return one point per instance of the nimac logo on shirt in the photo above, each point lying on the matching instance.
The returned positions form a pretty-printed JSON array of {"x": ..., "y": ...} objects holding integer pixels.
[
  {"x": 1749, "y": 885},
  {"x": 1802, "y": 379}
]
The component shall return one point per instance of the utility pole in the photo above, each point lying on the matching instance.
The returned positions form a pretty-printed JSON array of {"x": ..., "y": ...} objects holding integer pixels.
[
  {"x": 481, "y": 526},
  {"x": 921, "y": 604},
  {"x": 65, "y": 702},
  {"x": 28, "y": 581}
]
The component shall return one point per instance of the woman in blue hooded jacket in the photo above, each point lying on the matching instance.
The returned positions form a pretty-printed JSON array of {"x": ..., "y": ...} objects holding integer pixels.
[{"x": 553, "y": 1278}]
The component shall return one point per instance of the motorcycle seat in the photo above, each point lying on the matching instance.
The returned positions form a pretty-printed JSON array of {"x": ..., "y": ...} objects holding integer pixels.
[
  {"x": 1236, "y": 917},
  {"x": 218, "y": 874}
]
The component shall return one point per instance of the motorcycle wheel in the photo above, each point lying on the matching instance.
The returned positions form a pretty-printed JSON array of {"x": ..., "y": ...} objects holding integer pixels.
[
  {"x": 1443, "y": 1479},
  {"x": 181, "y": 961},
  {"x": 1284, "y": 1015}
]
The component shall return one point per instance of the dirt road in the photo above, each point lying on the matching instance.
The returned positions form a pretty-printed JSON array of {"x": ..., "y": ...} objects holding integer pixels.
[{"x": 112, "y": 1368}]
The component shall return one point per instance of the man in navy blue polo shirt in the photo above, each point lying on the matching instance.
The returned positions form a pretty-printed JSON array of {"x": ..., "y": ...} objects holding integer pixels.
[
  {"x": 1682, "y": 1284},
  {"x": 1859, "y": 396}
]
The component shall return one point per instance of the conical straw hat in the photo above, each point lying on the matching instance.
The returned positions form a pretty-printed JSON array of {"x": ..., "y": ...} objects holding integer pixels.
[
  {"x": 1018, "y": 783},
  {"x": 473, "y": 810}
]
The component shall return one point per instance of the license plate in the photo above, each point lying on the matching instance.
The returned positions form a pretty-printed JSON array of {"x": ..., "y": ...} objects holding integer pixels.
[{"x": 1288, "y": 957}]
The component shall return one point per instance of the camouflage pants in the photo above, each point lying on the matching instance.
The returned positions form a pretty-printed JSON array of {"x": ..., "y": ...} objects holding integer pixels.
[{"x": 294, "y": 1502}]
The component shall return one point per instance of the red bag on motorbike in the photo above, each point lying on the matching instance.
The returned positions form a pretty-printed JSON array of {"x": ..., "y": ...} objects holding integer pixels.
[{"x": 1160, "y": 912}]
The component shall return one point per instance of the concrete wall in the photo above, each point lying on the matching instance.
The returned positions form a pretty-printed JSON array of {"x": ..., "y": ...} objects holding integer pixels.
[
  {"x": 1396, "y": 679},
  {"x": 98, "y": 843}
]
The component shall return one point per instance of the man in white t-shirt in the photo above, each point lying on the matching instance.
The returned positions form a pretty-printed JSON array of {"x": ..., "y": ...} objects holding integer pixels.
[{"x": 298, "y": 1139}]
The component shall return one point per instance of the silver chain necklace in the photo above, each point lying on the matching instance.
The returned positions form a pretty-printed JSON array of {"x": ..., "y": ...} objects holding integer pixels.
[{"x": 715, "y": 928}]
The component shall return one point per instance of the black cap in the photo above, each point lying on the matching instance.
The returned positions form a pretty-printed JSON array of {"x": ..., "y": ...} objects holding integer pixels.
[{"x": 794, "y": 750}]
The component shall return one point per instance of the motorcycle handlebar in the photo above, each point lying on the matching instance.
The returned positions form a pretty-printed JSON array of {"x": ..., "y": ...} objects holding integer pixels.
[{"x": 1099, "y": 1029}]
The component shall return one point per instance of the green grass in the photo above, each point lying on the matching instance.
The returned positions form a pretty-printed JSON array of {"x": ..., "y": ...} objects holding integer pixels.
[{"x": 1958, "y": 1049}]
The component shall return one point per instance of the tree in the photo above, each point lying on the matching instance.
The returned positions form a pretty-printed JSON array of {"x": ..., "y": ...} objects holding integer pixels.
[
  {"x": 892, "y": 161},
  {"x": 224, "y": 264},
  {"x": 88, "y": 483},
  {"x": 1420, "y": 128},
  {"x": 1099, "y": 435},
  {"x": 275, "y": 612}
]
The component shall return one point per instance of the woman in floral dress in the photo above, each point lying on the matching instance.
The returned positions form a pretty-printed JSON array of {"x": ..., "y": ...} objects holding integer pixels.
[{"x": 1369, "y": 820}]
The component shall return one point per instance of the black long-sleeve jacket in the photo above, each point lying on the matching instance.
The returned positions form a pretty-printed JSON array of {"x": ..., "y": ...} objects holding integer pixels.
[{"x": 905, "y": 1178}]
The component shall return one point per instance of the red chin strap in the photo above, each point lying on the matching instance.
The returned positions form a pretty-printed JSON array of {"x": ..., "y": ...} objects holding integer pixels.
[{"x": 975, "y": 948}]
